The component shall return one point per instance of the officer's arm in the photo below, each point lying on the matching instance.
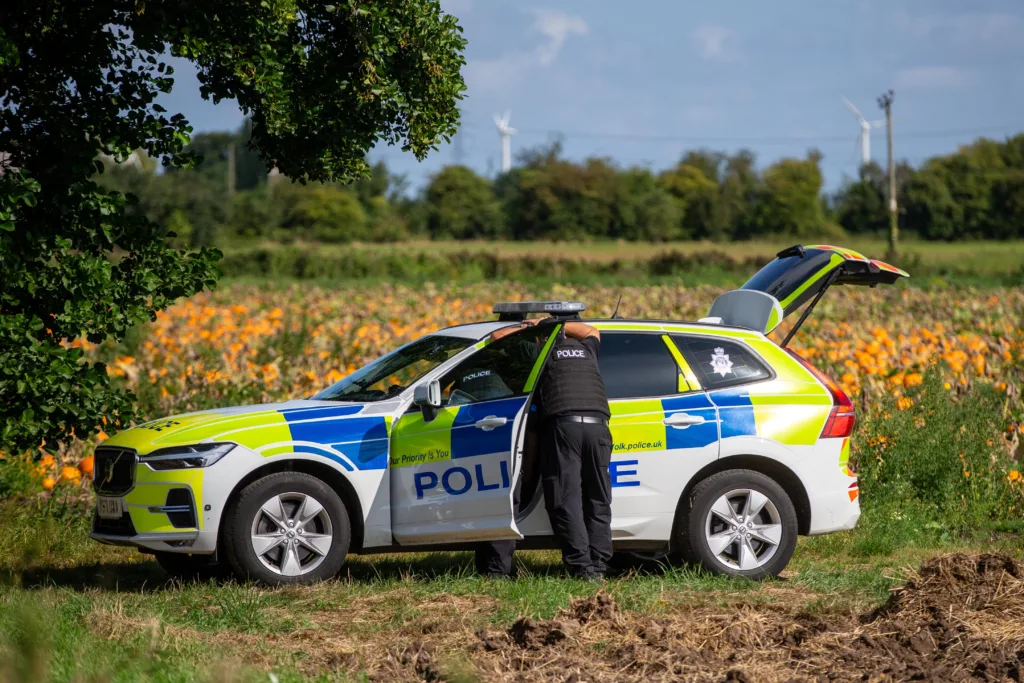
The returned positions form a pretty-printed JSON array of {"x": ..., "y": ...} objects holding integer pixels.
[
  {"x": 505, "y": 331},
  {"x": 512, "y": 329},
  {"x": 581, "y": 331}
]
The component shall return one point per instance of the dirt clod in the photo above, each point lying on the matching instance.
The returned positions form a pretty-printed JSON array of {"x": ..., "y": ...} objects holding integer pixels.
[
  {"x": 599, "y": 606},
  {"x": 421, "y": 657},
  {"x": 532, "y": 634}
]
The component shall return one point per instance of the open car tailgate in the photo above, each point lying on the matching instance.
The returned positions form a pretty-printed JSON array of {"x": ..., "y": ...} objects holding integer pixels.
[{"x": 797, "y": 275}]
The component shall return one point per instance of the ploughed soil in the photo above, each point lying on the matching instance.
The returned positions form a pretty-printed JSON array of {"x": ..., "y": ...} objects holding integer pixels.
[{"x": 958, "y": 618}]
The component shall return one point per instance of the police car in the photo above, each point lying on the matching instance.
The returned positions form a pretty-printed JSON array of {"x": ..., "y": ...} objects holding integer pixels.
[{"x": 726, "y": 446}]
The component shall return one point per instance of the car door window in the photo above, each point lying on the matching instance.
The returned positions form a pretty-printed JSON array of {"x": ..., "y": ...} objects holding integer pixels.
[
  {"x": 719, "y": 363},
  {"x": 499, "y": 370},
  {"x": 636, "y": 365}
]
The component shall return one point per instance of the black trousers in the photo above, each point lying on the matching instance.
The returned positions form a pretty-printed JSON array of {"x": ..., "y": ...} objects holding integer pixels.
[
  {"x": 494, "y": 558},
  {"x": 574, "y": 460}
]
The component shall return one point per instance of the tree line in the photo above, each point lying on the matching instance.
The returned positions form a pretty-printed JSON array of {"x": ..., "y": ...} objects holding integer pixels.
[{"x": 974, "y": 193}]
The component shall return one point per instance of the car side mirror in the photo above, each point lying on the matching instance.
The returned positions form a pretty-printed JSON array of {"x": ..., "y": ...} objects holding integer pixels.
[{"x": 428, "y": 397}]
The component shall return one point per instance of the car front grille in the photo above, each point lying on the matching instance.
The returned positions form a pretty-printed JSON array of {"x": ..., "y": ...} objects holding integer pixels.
[
  {"x": 114, "y": 471},
  {"x": 113, "y": 527}
]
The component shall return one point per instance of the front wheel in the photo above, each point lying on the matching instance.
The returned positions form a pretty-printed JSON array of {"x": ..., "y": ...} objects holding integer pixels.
[
  {"x": 740, "y": 523},
  {"x": 288, "y": 527}
]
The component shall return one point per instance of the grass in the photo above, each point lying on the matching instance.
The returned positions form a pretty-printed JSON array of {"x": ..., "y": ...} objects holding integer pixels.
[
  {"x": 74, "y": 610},
  {"x": 980, "y": 263},
  {"x": 981, "y": 255}
]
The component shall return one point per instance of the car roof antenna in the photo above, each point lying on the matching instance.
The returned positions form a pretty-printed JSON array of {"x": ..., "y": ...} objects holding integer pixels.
[{"x": 615, "y": 313}]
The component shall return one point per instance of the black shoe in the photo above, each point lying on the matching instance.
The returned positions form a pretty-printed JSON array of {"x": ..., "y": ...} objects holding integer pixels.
[
  {"x": 595, "y": 577},
  {"x": 498, "y": 576}
]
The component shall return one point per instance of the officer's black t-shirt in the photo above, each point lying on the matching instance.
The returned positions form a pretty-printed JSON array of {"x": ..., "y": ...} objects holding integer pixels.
[{"x": 593, "y": 345}]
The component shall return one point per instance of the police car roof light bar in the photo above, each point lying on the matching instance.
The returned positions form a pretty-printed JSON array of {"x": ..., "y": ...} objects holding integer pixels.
[{"x": 518, "y": 310}]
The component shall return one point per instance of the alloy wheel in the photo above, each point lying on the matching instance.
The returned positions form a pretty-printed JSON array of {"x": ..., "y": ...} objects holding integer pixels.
[
  {"x": 743, "y": 529},
  {"x": 292, "y": 534}
]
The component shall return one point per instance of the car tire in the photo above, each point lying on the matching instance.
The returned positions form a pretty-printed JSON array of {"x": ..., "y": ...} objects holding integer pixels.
[
  {"x": 191, "y": 567},
  {"x": 298, "y": 524},
  {"x": 716, "y": 530}
]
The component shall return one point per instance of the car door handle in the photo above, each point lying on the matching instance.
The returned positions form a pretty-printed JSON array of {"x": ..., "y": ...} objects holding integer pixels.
[
  {"x": 683, "y": 420},
  {"x": 491, "y": 422}
]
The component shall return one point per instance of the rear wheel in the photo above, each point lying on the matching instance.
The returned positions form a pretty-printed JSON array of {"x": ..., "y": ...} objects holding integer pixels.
[
  {"x": 740, "y": 523},
  {"x": 288, "y": 527}
]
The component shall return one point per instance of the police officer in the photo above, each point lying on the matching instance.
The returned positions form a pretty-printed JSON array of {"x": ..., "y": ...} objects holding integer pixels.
[{"x": 575, "y": 450}]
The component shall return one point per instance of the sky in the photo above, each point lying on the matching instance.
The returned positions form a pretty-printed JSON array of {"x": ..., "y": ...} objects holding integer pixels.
[{"x": 644, "y": 81}]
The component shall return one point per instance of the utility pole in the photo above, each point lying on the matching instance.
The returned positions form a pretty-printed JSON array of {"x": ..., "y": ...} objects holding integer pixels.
[{"x": 885, "y": 103}]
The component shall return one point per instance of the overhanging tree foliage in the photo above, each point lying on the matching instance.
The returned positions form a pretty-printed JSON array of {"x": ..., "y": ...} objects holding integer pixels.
[{"x": 79, "y": 80}]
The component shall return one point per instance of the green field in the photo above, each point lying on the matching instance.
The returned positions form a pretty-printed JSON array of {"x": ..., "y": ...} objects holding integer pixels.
[
  {"x": 981, "y": 256},
  {"x": 982, "y": 263}
]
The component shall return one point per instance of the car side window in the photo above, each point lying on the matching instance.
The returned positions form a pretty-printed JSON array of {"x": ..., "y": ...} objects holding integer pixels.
[
  {"x": 499, "y": 370},
  {"x": 635, "y": 365},
  {"x": 719, "y": 363}
]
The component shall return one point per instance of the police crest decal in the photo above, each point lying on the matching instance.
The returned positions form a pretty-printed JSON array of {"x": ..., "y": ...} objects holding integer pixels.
[{"x": 720, "y": 363}]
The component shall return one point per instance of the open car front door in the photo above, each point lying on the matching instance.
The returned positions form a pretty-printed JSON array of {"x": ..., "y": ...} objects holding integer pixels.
[
  {"x": 453, "y": 468},
  {"x": 797, "y": 275}
]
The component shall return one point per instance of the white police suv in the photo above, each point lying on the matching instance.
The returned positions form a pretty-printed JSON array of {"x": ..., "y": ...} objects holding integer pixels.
[{"x": 726, "y": 446}]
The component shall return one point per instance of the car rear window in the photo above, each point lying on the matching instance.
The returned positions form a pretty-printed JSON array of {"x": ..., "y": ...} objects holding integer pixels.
[{"x": 720, "y": 363}]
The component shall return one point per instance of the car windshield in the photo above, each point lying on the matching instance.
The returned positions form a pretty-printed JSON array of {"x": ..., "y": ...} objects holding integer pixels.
[{"x": 392, "y": 374}]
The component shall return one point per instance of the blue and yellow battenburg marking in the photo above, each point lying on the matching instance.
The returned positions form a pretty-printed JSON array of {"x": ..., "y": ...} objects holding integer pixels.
[
  {"x": 791, "y": 408},
  {"x": 453, "y": 433},
  {"x": 339, "y": 433},
  {"x": 638, "y": 425}
]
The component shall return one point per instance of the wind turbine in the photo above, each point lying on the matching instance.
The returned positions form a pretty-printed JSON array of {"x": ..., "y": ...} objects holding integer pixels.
[
  {"x": 865, "y": 131},
  {"x": 506, "y": 133}
]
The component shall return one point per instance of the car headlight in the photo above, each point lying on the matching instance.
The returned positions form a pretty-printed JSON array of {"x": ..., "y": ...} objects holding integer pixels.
[{"x": 187, "y": 457}]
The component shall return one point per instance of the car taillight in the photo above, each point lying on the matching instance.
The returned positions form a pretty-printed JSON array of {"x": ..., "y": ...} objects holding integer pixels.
[{"x": 842, "y": 416}]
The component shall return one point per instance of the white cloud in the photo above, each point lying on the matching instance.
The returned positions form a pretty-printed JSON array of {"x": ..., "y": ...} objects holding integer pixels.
[
  {"x": 556, "y": 26},
  {"x": 497, "y": 75},
  {"x": 715, "y": 43},
  {"x": 933, "y": 78}
]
